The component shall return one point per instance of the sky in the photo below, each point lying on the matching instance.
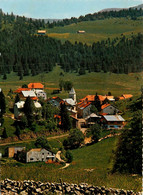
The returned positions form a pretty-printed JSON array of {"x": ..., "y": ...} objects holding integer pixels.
[{"x": 59, "y": 9}]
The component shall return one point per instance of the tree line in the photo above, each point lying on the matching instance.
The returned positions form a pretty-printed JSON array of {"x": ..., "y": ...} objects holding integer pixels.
[{"x": 26, "y": 53}]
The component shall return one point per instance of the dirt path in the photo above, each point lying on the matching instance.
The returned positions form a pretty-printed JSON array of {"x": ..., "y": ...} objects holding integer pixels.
[
  {"x": 24, "y": 141},
  {"x": 58, "y": 156}
]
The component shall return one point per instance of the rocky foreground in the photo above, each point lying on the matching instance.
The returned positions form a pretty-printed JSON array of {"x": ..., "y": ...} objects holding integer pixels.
[{"x": 27, "y": 187}]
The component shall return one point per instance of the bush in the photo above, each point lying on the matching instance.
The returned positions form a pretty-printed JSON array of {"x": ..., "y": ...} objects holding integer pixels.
[{"x": 69, "y": 156}]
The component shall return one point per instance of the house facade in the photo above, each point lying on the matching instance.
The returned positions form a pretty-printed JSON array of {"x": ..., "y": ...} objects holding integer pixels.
[
  {"x": 12, "y": 151},
  {"x": 42, "y": 94},
  {"x": 39, "y": 154},
  {"x": 109, "y": 109},
  {"x": 83, "y": 109},
  {"x": 113, "y": 121}
]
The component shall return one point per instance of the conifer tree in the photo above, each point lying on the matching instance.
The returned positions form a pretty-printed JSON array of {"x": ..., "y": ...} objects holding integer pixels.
[
  {"x": 4, "y": 133},
  {"x": 65, "y": 118}
]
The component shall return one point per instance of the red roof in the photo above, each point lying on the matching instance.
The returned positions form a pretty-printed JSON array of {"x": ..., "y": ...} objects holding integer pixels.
[
  {"x": 21, "y": 89},
  {"x": 83, "y": 104},
  {"x": 104, "y": 106},
  {"x": 125, "y": 96},
  {"x": 90, "y": 98},
  {"x": 35, "y": 86},
  {"x": 34, "y": 98},
  {"x": 57, "y": 116}
]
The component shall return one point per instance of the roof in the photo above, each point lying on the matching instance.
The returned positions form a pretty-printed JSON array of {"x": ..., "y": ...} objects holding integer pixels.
[
  {"x": 70, "y": 101},
  {"x": 83, "y": 105},
  {"x": 20, "y": 104},
  {"x": 72, "y": 91},
  {"x": 57, "y": 116},
  {"x": 126, "y": 96},
  {"x": 109, "y": 97},
  {"x": 105, "y": 106},
  {"x": 101, "y": 97},
  {"x": 90, "y": 98},
  {"x": 21, "y": 89},
  {"x": 92, "y": 115},
  {"x": 35, "y": 86},
  {"x": 114, "y": 118},
  {"x": 58, "y": 99},
  {"x": 35, "y": 150},
  {"x": 41, "y": 31},
  {"x": 28, "y": 93}
]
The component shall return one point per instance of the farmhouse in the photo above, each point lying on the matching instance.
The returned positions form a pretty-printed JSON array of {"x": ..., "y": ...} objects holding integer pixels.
[
  {"x": 113, "y": 121},
  {"x": 36, "y": 87},
  {"x": 108, "y": 109},
  {"x": 39, "y": 154},
  {"x": 25, "y": 94}
]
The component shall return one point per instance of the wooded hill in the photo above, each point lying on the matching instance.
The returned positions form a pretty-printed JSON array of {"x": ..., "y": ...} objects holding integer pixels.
[{"x": 26, "y": 53}]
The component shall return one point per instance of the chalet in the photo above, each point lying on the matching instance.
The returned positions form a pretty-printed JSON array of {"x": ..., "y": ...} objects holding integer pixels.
[
  {"x": 36, "y": 87},
  {"x": 18, "y": 108},
  {"x": 39, "y": 154},
  {"x": 125, "y": 96},
  {"x": 83, "y": 109},
  {"x": 113, "y": 121},
  {"x": 108, "y": 109},
  {"x": 92, "y": 119},
  {"x": 41, "y": 32},
  {"x": 12, "y": 151}
]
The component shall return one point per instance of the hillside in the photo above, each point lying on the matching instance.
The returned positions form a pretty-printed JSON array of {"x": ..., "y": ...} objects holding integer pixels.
[{"x": 97, "y": 30}]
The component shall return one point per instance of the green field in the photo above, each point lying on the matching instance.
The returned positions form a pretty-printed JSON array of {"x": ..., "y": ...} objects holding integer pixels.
[
  {"x": 91, "y": 164},
  {"x": 97, "y": 30},
  {"x": 90, "y": 83}
]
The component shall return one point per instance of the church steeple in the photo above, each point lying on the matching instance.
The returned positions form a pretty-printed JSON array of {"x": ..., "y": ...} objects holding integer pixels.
[{"x": 72, "y": 94}]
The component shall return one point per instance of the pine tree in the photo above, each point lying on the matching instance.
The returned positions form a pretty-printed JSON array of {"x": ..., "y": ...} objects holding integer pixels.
[
  {"x": 65, "y": 118},
  {"x": 2, "y": 104},
  {"x": 4, "y": 133},
  {"x": 17, "y": 98}
]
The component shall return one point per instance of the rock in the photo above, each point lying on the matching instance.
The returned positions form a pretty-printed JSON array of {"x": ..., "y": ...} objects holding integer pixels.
[{"x": 23, "y": 193}]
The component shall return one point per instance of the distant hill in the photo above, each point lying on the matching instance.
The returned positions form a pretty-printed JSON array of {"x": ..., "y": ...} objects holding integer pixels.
[{"x": 118, "y": 9}]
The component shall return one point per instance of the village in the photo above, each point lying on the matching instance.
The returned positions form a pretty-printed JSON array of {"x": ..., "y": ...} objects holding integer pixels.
[{"x": 89, "y": 111}]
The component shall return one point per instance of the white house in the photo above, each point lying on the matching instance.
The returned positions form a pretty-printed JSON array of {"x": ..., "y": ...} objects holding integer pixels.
[{"x": 39, "y": 154}]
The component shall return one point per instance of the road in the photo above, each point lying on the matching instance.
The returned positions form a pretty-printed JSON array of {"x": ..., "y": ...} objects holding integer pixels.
[{"x": 24, "y": 141}]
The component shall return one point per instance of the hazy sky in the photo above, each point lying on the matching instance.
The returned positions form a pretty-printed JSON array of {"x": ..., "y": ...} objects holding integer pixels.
[{"x": 61, "y": 8}]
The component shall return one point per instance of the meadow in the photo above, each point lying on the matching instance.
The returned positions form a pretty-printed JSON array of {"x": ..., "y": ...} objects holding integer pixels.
[
  {"x": 97, "y": 30},
  {"x": 87, "y": 84},
  {"x": 91, "y": 164}
]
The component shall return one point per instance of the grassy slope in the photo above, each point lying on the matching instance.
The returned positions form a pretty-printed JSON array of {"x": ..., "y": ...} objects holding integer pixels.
[
  {"x": 97, "y": 30},
  {"x": 96, "y": 157},
  {"x": 84, "y": 85}
]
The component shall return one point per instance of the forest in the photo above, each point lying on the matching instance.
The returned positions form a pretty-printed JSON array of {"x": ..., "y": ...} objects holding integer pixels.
[{"x": 26, "y": 53}]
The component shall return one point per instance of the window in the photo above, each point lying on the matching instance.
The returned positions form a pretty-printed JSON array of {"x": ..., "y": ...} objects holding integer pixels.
[{"x": 31, "y": 159}]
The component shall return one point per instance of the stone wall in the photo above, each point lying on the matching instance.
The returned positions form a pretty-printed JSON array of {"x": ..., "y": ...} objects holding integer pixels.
[{"x": 10, "y": 187}]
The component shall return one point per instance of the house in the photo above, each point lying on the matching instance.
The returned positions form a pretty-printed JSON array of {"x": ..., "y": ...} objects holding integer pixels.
[
  {"x": 39, "y": 154},
  {"x": 18, "y": 108},
  {"x": 41, "y": 32},
  {"x": 42, "y": 94},
  {"x": 125, "y": 96},
  {"x": 113, "y": 121},
  {"x": 101, "y": 98},
  {"x": 92, "y": 119},
  {"x": 83, "y": 109},
  {"x": 19, "y": 90},
  {"x": 108, "y": 109},
  {"x": 55, "y": 101},
  {"x": 12, "y": 151},
  {"x": 25, "y": 94},
  {"x": 36, "y": 87}
]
